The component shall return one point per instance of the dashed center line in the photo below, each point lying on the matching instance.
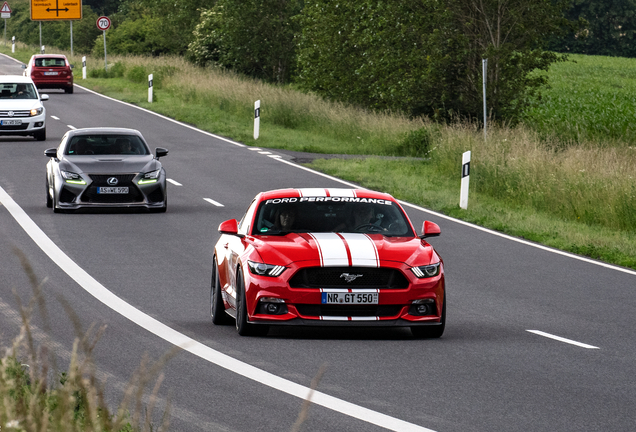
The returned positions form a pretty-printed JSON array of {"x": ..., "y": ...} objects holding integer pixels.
[
  {"x": 561, "y": 339},
  {"x": 55, "y": 118},
  {"x": 253, "y": 149},
  {"x": 72, "y": 127},
  {"x": 176, "y": 183},
  {"x": 216, "y": 203}
]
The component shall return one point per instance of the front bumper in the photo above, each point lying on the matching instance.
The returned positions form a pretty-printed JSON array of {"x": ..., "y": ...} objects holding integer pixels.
[
  {"x": 29, "y": 125},
  {"x": 303, "y": 306}
]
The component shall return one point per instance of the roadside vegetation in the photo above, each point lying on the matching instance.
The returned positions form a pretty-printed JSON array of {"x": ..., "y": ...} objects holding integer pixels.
[
  {"x": 36, "y": 396},
  {"x": 564, "y": 176}
]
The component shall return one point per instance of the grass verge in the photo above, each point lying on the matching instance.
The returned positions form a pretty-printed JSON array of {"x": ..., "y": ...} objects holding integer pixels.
[{"x": 575, "y": 192}]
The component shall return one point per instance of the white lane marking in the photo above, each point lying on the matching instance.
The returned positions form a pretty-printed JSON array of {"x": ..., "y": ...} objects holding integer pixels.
[
  {"x": 55, "y": 118},
  {"x": 71, "y": 127},
  {"x": 254, "y": 148},
  {"x": 468, "y": 224},
  {"x": 275, "y": 156},
  {"x": 561, "y": 339},
  {"x": 332, "y": 250},
  {"x": 97, "y": 290},
  {"x": 264, "y": 152},
  {"x": 216, "y": 203},
  {"x": 176, "y": 183}
]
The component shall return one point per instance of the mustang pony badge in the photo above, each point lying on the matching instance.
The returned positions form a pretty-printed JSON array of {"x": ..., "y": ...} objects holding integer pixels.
[{"x": 350, "y": 277}]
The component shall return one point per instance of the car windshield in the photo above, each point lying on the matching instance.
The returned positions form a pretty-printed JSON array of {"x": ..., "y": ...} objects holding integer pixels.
[
  {"x": 50, "y": 62},
  {"x": 101, "y": 144},
  {"x": 17, "y": 91},
  {"x": 331, "y": 214}
]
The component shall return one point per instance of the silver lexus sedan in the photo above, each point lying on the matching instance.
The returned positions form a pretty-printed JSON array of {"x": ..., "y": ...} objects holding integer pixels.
[{"x": 105, "y": 167}]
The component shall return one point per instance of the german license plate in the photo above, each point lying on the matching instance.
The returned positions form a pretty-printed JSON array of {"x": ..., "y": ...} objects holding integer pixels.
[
  {"x": 51, "y": 73},
  {"x": 112, "y": 190},
  {"x": 11, "y": 122},
  {"x": 340, "y": 297}
]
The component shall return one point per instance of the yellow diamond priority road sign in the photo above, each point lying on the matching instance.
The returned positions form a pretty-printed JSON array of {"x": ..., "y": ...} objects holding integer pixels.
[{"x": 45, "y": 10}]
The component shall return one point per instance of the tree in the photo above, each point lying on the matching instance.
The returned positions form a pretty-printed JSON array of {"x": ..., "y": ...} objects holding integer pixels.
[
  {"x": 424, "y": 56},
  {"x": 608, "y": 28},
  {"x": 253, "y": 37}
]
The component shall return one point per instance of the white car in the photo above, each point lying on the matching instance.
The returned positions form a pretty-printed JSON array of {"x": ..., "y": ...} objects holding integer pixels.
[{"x": 21, "y": 109}]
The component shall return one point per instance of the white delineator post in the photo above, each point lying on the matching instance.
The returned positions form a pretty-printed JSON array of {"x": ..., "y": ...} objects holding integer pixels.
[
  {"x": 484, "y": 69},
  {"x": 150, "y": 88},
  {"x": 42, "y": 49},
  {"x": 257, "y": 118},
  {"x": 13, "y": 44},
  {"x": 463, "y": 196},
  {"x": 84, "y": 67}
]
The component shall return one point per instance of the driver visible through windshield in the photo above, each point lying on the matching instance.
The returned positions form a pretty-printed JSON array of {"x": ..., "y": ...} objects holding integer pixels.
[{"x": 325, "y": 214}]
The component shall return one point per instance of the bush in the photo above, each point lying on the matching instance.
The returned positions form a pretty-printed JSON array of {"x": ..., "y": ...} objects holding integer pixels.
[{"x": 416, "y": 143}]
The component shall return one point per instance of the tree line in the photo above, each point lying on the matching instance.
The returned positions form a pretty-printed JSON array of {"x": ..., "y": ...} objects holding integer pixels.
[{"x": 419, "y": 57}]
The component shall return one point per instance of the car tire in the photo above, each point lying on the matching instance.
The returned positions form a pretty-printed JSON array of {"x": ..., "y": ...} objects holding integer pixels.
[
  {"x": 68, "y": 89},
  {"x": 40, "y": 135},
  {"x": 431, "y": 332},
  {"x": 49, "y": 200},
  {"x": 217, "y": 309},
  {"x": 243, "y": 327}
]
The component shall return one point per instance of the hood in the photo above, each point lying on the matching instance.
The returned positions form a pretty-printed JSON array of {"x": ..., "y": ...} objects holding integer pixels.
[
  {"x": 110, "y": 164},
  {"x": 343, "y": 249},
  {"x": 19, "y": 104}
]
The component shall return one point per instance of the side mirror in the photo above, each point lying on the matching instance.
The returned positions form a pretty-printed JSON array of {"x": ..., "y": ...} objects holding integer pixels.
[
  {"x": 229, "y": 227},
  {"x": 160, "y": 152},
  {"x": 71, "y": 66},
  {"x": 44, "y": 97},
  {"x": 23, "y": 66},
  {"x": 430, "y": 229},
  {"x": 52, "y": 153}
]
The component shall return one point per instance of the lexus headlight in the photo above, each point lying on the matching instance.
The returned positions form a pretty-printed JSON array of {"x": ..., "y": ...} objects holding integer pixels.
[
  {"x": 150, "y": 177},
  {"x": 262, "y": 269},
  {"x": 36, "y": 111},
  {"x": 426, "y": 271},
  {"x": 73, "y": 178}
]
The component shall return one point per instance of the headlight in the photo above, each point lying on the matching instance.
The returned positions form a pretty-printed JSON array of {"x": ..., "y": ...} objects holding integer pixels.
[
  {"x": 150, "y": 177},
  {"x": 73, "y": 178},
  {"x": 426, "y": 271},
  {"x": 262, "y": 269},
  {"x": 36, "y": 111}
]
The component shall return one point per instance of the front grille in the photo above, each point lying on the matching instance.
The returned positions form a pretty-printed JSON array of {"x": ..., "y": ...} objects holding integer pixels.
[
  {"x": 124, "y": 180},
  {"x": 21, "y": 113},
  {"x": 334, "y": 277},
  {"x": 23, "y": 126},
  {"x": 348, "y": 310}
]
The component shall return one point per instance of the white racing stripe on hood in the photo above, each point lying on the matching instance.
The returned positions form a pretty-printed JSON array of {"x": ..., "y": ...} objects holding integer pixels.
[
  {"x": 312, "y": 192},
  {"x": 363, "y": 250},
  {"x": 332, "y": 250},
  {"x": 342, "y": 192}
]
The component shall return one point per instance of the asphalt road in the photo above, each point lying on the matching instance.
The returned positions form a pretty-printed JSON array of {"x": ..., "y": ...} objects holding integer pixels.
[{"x": 147, "y": 276}]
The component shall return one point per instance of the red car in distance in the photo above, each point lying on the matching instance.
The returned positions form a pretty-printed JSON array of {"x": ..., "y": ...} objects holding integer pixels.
[
  {"x": 50, "y": 71},
  {"x": 327, "y": 257}
]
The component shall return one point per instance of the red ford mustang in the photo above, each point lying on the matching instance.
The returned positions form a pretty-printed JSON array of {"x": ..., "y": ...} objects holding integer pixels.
[{"x": 327, "y": 257}]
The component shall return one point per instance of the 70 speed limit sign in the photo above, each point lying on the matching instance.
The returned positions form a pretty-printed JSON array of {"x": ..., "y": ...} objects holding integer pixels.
[{"x": 103, "y": 23}]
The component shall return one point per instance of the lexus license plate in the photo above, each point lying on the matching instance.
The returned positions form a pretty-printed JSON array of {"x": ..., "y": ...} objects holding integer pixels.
[
  {"x": 11, "y": 122},
  {"x": 360, "y": 297},
  {"x": 112, "y": 190}
]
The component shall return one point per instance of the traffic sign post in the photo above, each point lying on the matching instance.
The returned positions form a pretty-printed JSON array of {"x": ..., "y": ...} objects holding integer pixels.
[
  {"x": 103, "y": 23},
  {"x": 5, "y": 12}
]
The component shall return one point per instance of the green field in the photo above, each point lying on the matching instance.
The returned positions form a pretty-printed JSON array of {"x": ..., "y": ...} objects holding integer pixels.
[{"x": 564, "y": 177}]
